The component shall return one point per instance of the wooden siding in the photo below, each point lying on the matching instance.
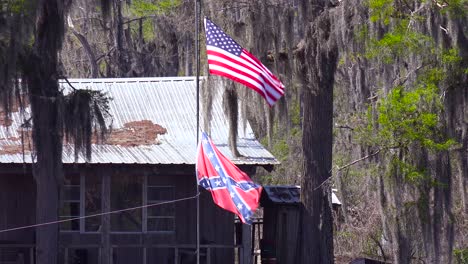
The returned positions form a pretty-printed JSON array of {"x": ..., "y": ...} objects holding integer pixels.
[
  {"x": 17, "y": 207},
  {"x": 281, "y": 229}
]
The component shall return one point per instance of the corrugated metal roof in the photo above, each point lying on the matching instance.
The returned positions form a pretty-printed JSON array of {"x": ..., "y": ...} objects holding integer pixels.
[{"x": 169, "y": 102}]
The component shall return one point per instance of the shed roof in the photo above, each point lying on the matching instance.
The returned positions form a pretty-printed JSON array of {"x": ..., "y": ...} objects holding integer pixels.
[{"x": 140, "y": 105}]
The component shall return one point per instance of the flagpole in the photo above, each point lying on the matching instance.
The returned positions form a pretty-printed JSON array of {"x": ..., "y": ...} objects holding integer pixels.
[{"x": 197, "y": 58}]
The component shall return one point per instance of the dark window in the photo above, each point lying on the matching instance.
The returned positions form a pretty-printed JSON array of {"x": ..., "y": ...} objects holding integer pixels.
[
  {"x": 92, "y": 199},
  {"x": 70, "y": 203},
  {"x": 124, "y": 255},
  {"x": 126, "y": 192},
  {"x": 160, "y": 255},
  {"x": 82, "y": 256},
  {"x": 160, "y": 217}
]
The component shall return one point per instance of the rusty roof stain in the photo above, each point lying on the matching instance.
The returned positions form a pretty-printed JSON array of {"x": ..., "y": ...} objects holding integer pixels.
[{"x": 136, "y": 133}]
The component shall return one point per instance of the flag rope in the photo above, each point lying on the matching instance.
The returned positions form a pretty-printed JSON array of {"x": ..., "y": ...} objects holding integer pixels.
[{"x": 100, "y": 214}]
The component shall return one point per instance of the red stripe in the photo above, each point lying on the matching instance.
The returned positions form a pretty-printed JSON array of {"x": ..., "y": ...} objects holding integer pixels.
[
  {"x": 240, "y": 63},
  {"x": 254, "y": 78},
  {"x": 260, "y": 64},
  {"x": 256, "y": 70},
  {"x": 278, "y": 86},
  {"x": 240, "y": 81}
]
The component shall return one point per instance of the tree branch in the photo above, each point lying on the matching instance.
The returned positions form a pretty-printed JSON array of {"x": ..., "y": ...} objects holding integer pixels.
[
  {"x": 358, "y": 160},
  {"x": 89, "y": 51}
]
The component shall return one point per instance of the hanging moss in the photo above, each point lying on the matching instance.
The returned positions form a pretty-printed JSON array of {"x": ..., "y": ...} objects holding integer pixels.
[{"x": 86, "y": 113}]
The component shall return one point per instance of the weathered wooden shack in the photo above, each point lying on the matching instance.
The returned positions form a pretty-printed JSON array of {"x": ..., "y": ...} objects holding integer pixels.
[
  {"x": 282, "y": 210},
  {"x": 148, "y": 158}
]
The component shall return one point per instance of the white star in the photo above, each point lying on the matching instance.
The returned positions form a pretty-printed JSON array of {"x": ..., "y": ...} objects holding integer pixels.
[
  {"x": 232, "y": 194},
  {"x": 210, "y": 155},
  {"x": 217, "y": 168},
  {"x": 239, "y": 205},
  {"x": 218, "y": 183},
  {"x": 224, "y": 180},
  {"x": 205, "y": 141}
]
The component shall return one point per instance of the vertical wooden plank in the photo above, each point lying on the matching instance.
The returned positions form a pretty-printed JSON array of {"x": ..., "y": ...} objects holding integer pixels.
[
  {"x": 82, "y": 201},
  {"x": 105, "y": 220},
  {"x": 253, "y": 243},
  {"x": 66, "y": 255},
  {"x": 246, "y": 244},
  {"x": 31, "y": 255},
  {"x": 144, "y": 220}
]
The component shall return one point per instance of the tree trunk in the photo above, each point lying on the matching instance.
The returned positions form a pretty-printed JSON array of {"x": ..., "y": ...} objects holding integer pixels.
[
  {"x": 48, "y": 166},
  {"x": 321, "y": 60},
  {"x": 41, "y": 76},
  {"x": 120, "y": 61}
]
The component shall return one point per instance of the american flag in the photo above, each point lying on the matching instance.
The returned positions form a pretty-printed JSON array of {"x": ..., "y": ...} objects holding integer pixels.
[
  {"x": 229, "y": 59},
  {"x": 230, "y": 187}
]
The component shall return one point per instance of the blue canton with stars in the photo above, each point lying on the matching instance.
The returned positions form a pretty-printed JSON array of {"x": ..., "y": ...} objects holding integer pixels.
[
  {"x": 225, "y": 181},
  {"x": 217, "y": 38}
]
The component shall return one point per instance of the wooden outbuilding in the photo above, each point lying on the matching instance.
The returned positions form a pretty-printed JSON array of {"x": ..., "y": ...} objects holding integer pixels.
[
  {"x": 147, "y": 159},
  {"x": 282, "y": 209}
]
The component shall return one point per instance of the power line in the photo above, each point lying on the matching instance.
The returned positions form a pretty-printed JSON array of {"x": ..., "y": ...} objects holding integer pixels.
[{"x": 99, "y": 214}]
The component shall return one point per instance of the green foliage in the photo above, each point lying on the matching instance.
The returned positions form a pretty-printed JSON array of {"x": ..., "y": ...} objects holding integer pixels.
[
  {"x": 406, "y": 117},
  {"x": 296, "y": 132},
  {"x": 345, "y": 234},
  {"x": 455, "y": 8},
  {"x": 381, "y": 10},
  {"x": 410, "y": 173},
  {"x": 408, "y": 114},
  {"x": 281, "y": 150},
  {"x": 399, "y": 42},
  {"x": 461, "y": 255},
  {"x": 102, "y": 66},
  {"x": 451, "y": 56},
  {"x": 148, "y": 30},
  {"x": 296, "y": 114},
  {"x": 147, "y": 7},
  {"x": 17, "y": 6}
]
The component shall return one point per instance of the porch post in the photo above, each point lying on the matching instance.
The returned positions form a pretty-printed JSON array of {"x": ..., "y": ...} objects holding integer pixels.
[
  {"x": 106, "y": 252},
  {"x": 197, "y": 79},
  {"x": 246, "y": 256}
]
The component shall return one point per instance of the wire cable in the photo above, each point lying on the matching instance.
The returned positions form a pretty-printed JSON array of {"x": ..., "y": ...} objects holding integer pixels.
[{"x": 99, "y": 214}]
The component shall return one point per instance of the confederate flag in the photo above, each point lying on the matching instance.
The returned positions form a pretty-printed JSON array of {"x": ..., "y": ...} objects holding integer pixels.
[{"x": 230, "y": 187}]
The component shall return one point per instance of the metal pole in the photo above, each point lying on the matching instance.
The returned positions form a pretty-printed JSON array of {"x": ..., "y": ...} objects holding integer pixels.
[{"x": 197, "y": 58}]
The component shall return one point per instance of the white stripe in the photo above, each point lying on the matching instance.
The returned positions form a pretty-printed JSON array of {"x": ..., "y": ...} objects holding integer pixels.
[
  {"x": 258, "y": 77},
  {"x": 249, "y": 62},
  {"x": 254, "y": 82},
  {"x": 265, "y": 70}
]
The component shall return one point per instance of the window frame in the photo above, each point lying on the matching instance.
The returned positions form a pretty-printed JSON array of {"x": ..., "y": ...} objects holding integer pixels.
[
  {"x": 146, "y": 202},
  {"x": 144, "y": 211},
  {"x": 80, "y": 202}
]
